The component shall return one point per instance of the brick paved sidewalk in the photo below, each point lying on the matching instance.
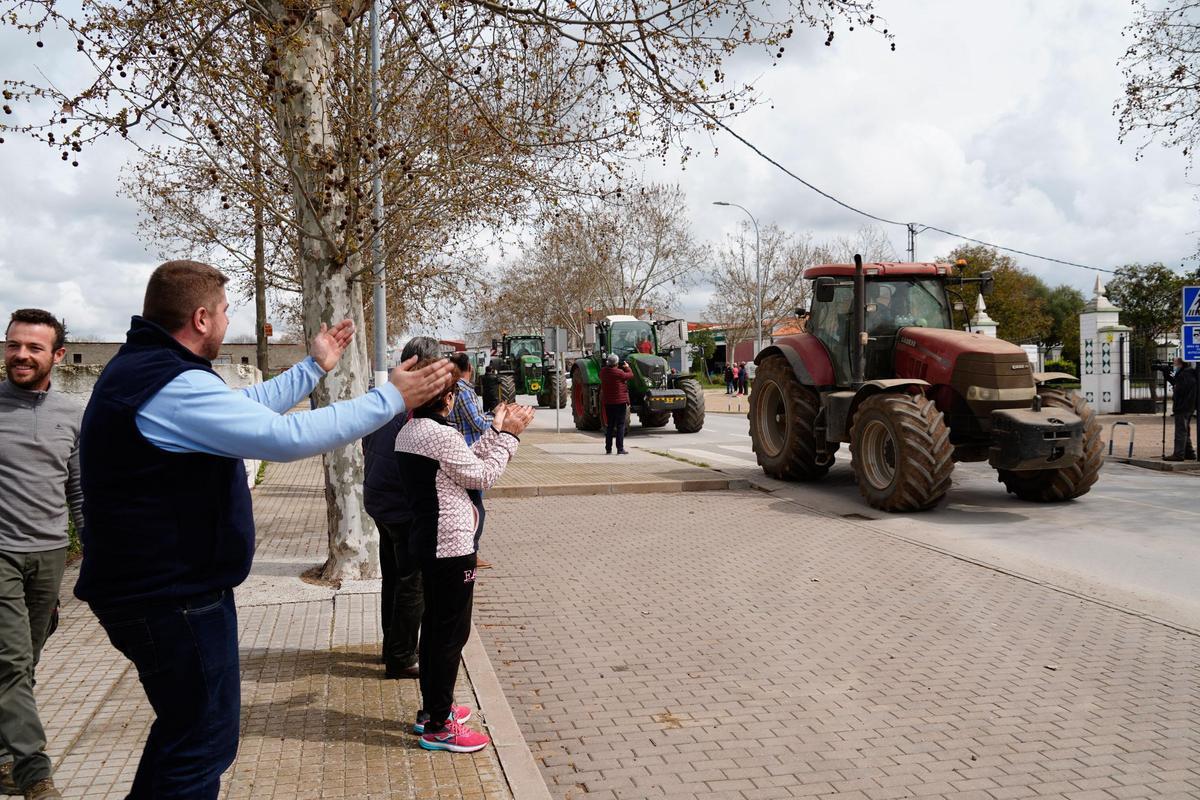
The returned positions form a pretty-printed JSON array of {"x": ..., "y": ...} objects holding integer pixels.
[
  {"x": 729, "y": 645},
  {"x": 318, "y": 720},
  {"x": 717, "y": 401}
]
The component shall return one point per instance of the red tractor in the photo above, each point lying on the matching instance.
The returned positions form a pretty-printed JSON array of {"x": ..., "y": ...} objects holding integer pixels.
[{"x": 883, "y": 367}]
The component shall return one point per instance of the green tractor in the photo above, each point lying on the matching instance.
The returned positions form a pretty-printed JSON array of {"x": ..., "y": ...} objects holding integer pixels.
[
  {"x": 657, "y": 394},
  {"x": 520, "y": 361}
]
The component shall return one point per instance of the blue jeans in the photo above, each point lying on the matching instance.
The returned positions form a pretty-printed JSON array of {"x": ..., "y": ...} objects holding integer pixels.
[{"x": 186, "y": 654}]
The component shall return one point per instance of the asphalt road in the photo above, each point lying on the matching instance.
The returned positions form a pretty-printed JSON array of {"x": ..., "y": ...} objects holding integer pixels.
[{"x": 1133, "y": 541}]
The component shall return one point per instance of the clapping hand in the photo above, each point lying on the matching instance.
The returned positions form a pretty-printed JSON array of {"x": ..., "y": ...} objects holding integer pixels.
[
  {"x": 512, "y": 418},
  {"x": 329, "y": 343},
  {"x": 418, "y": 386}
]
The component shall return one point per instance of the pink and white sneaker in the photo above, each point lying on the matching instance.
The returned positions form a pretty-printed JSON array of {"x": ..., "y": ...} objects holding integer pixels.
[
  {"x": 455, "y": 737},
  {"x": 459, "y": 714}
]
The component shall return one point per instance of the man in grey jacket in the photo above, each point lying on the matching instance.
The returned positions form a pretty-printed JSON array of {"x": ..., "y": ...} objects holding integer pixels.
[{"x": 39, "y": 483}]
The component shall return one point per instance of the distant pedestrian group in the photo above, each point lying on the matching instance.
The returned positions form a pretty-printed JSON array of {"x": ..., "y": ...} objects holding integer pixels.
[{"x": 737, "y": 378}]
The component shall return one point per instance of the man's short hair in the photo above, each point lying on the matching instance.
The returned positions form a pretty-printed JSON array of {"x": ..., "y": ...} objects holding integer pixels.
[
  {"x": 36, "y": 316},
  {"x": 461, "y": 361},
  {"x": 177, "y": 288},
  {"x": 423, "y": 347}
]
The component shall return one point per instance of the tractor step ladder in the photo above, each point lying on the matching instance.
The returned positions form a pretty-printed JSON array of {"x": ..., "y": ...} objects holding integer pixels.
[{"x": 1112, "y": 431}]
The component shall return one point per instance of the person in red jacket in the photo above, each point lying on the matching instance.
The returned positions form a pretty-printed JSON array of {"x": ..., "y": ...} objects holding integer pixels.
[{"x": 614, "y": 394}]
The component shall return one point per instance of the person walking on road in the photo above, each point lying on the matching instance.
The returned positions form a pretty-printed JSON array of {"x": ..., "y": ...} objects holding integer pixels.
[
  {"x": 400, "y": 598},
  {"x": 169, "y": 526},
  {"x": 444, "y": 480},
  {"x": 1183, "y": 408},
  {"x": 614, "y": 395},
  {"x": 39, "y": 488}
]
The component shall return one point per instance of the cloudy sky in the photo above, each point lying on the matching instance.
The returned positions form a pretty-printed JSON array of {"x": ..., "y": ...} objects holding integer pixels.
[{"x": 990, "y": 119}]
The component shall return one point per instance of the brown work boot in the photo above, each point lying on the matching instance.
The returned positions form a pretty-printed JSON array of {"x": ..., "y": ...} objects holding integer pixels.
[
  {"x": 7, "y": 784},
  {"x": 43, "y": 790}
]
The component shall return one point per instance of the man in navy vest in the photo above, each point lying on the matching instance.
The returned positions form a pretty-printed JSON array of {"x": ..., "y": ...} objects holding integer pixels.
[{"x": 169, "y": 525}]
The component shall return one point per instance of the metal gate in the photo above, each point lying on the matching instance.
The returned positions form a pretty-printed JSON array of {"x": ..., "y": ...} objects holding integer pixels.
[{"x": 1143, "y": 389}]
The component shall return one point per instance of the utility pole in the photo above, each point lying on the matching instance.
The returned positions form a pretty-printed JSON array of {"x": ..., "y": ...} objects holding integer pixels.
[
  {"x": 912, "y": 241},
  {"x": 381, "y": 365}
]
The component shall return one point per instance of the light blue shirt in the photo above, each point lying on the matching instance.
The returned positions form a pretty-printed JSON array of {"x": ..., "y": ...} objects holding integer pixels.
[{"x": 198, "y": 413}]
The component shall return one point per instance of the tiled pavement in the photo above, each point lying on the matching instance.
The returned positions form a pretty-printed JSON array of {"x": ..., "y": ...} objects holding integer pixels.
[
  {"x": 572, "y": 464},
  {"x": 728, "y": 645},
  {"x": 318, "y": 721}
]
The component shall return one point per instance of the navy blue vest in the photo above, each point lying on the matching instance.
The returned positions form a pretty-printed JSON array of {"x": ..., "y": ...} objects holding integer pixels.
[{"x": 157, "y": 526}]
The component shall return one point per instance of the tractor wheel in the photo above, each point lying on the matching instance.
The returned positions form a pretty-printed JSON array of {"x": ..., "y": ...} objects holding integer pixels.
[
  {"x": 783, "y": 412},
  {"x": 901, "y": 452},
  {"x": 585, "y": 420},
  {"x": 654, "y": 419},
  {"x": 1064, "y": 483},
  {"x": 508, "y": 388},
  {"x": 691, "y": 418},
  {"x": 548, "y": 397}
]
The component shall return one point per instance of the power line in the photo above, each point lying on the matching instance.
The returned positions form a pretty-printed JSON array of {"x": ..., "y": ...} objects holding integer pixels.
[{"x": 884, "y": 220}]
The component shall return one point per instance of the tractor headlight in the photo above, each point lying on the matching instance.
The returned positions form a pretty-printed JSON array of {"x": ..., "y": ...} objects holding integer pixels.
[{"x": 989, "y": 394}]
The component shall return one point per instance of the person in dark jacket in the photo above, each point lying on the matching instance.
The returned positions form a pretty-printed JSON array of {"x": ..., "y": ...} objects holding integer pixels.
[
  {"x": 168, "y": 522},
  {"x": 614, "y": 396},
  {"x": 491, "y": 389},
  {"x": 1183, "y": 408},
  {"x": 400, "y": 597},
  {"x": 728, "y": 379}
]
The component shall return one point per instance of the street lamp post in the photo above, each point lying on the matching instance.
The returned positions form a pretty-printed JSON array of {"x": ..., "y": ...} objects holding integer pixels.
[{"x": 758, "y": 317}]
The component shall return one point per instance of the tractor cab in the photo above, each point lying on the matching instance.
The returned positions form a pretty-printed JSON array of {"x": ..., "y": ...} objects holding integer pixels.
[{"x": 896, "y": 296}]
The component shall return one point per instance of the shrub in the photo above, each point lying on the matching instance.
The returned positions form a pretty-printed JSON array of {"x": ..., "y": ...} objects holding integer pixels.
[{"x": 1062, "y": 365}]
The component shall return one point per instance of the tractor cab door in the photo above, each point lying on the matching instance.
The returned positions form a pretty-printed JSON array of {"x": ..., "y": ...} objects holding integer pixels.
[{"x": 832, "y": 322}]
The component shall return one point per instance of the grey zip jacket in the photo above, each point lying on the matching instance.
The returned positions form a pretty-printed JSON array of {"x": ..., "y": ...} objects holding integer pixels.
[{"x": 39, "y": 469}]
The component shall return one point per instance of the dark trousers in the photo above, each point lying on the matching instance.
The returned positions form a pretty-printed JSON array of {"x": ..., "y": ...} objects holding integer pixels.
[
  {"x": 401, "y": 601},
  {"x": 29, "y": 585},
  {"x": 186, "y": 654},
  {"x": 1183, "y": 436},
  {"x": 615, "y": 426},
  {"x": 449, "y": 585}
]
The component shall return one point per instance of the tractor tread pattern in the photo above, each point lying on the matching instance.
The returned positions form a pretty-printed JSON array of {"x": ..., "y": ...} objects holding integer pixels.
[
  {"x": 924, "y": 454},
  {"x": 798, "y": 459},
  {"x": 691, "y": 418},
  {"x": 508, "y": 388},
  {"x": 1064, "y": 483}
]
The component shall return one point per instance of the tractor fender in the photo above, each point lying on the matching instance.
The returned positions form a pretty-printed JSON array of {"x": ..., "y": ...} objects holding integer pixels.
[
  {"x": 840, "y": 407},
  {"x": 806, "y": 356},
  {"x": 587, "y": 369},
  {"x": 1045, "y": 377}
]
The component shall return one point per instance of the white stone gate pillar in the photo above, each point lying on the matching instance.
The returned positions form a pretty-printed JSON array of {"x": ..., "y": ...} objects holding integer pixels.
[{"x": 1101, "y": 371}]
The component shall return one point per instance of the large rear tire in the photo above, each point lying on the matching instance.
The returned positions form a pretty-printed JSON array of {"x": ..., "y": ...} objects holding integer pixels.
[
  {"x": 654, "y": 419},
  {"x": 1064, "y": 483},
  {"x": 691, "y": 418},
  {"x": 783, "y": 413},
  {"x": 901, "y": 452},
  {"x": 585, "y": 420},
  {"x": 508, "y": 388}
]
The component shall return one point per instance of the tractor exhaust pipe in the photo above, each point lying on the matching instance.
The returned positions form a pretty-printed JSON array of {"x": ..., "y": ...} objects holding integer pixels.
[{"x": 860, "y": 322}]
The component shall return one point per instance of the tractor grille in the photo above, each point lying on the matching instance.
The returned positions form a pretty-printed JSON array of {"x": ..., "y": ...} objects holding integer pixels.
[{"x": 653, "y": 373}]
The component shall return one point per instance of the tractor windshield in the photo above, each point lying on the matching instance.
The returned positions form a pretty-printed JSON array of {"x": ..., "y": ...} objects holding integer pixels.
[
  {"x": 631, "y": 337},
  {"x": 525, "y": 347},
  {"x": 902, "y": 303}
]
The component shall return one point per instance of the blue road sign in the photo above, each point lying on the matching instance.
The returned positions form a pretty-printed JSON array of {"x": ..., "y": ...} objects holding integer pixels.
[
  {"x": 1191, "y": 342},
  {"x": 1191, "y": 304}
]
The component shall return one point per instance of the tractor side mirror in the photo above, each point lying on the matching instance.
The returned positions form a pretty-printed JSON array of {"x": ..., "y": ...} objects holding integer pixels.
[
  {"x": 589, "y": 335},
  {"x": 987, "y": 282},
  {"x": 823, "y": 289}
]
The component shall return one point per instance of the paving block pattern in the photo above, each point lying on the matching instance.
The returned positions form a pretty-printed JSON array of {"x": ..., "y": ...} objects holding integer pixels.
[{"x": 728, "y": 645}]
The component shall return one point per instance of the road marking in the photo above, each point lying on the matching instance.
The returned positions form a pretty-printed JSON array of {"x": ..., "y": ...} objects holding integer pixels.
[{"x": 1147, "y": 505}]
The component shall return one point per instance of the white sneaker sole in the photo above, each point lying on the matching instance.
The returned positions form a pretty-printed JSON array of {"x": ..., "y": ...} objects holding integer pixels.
[{"x": 453, "y": 748}]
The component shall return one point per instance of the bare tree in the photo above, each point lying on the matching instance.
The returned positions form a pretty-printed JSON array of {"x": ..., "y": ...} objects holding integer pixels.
[
  {"x": 732, "y": 276},
  {"x": 576, "y": 86}
]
